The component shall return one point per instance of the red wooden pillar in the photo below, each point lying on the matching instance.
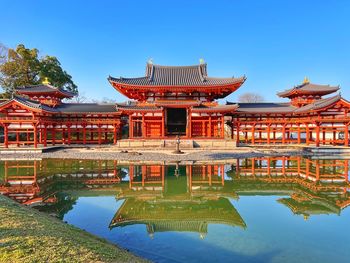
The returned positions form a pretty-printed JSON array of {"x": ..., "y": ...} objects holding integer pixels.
[
  {"x": 35, "y": 137},
  {"x": 268, "y": 134},
  {"x": 346, "y": 170},
  {"x": 210, "y": 125},
  {"x": 143, "y": 174},
  {"x": 131, "y": 175},
  {"x": 299, "y": 137},
  {"x": 17, "y": 138},
  {"x": 323, "y": 137},
  {"x": 203, "y": 128},
  {"x": 222, "y": 126},
  {"x": 143, "y": 126},
  {"x": 68, "y": 135},
  {"x": 53, "y": 134},
  {"x": 317, "y": 134},
  {"x": 307, "y": 134},
  {"x": 105, "y": 137},
  {"x": 45, "y": 136},
  {"x": 99, "y": 134},
  {"x": 222, "y": 168},
  {"x": 131, "y": 134},
  {"x": 237, "y": 133},
  {"x": 84, "y": 134},
  {"x": 284, "y": 133},
  {"x": 317, "y": 170},
  {"x": 115, "y": 134},
  {"x": 283, "y": 166},
  {"x": 190, "y": 177},
  {"x": 6, "y": 138},
  {"x": 253, "y": 133},
  {"x": 64, "y": 136},
  {"x": 346, "y": 135},
  {"x": 78, "y": 135},
  {"x": 41, "y": 135},
  {"x": 260, "y": 134},
  {"x": 163, "y": 123}
]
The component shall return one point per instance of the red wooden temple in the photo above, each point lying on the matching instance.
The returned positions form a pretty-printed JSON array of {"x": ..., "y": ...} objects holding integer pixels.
[{"x": 175, "y": 100}]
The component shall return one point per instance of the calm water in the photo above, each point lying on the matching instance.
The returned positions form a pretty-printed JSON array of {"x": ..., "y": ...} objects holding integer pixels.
[{"x": 253, "y": 210}]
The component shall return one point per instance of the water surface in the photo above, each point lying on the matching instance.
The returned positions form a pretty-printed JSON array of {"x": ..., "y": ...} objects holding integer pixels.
[{"x": 280, "y": 209}]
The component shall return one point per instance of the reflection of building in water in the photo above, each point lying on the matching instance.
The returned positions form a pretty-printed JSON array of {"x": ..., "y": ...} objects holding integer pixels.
[
  {"x": 39, "y": 182},
  {"x": 168, "y": 203},
  {"x": 182, "y": 197},
  {"x": 161, "y": 215},
  {"x": 314, "y": 186}
]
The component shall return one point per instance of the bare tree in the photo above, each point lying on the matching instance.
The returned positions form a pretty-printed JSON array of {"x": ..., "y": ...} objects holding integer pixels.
[
  {"x": 79, "y": 98},
  {"x": 3, "y": 53},
  {"x": 104, "y": 100},
  {"x": 250, "y": 97}
]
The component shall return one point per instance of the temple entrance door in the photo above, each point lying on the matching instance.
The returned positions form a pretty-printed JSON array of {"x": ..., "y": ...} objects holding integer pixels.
[{"x": 176, "y": 121}]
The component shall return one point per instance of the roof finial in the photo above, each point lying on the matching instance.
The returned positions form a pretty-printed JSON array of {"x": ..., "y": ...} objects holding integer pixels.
[
  {"x": 201, "y": 61},
  {"x": 46, "y": 81},
  {"x": 306, "y": 80},
  {"x": 150, "y": 61}
]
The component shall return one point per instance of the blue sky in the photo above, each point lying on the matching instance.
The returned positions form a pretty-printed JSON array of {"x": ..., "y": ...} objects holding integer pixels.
[{"x": 274, "y": 43}]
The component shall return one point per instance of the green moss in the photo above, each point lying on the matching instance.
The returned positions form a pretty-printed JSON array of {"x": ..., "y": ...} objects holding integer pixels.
[{"x": 27, "y": 235}]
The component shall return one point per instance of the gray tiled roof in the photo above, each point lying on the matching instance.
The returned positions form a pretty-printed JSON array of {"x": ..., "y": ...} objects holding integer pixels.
[
  {"x": 272, "y": 107},
  {"x": 157, "y": 75},
  {"x": 43, "y": 88},
  {"x": 86, "y": 108},
  {"x": 264, "y": 107},
  {"x": 309, "y": 88},
  {"x": 135, "y": 107},
  {"x": 29, "y": 103},
  {"x": 218, "y": 108},
  {"x": 318, "y": 104},
  {"x": 66, "y": 107}
]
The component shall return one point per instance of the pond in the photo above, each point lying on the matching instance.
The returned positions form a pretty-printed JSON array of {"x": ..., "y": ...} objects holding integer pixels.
[{"x": 271, "y": 209}]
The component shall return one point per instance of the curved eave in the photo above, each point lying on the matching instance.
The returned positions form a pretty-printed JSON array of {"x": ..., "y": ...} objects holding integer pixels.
[
  {"x": 331, "y": 101},
  {"x": 123, "y": 87},
  {"x": 24, "y": 105},
  {"x": 219, "y": 109},
  {"x": 137, "y": 110},
  {"x": 239, "y": 222},
  {"x": 89, "y": 113},
  {"x": 299, "y": 92},
  {"x": 56, "y": 93},
  {"x": 177, "y": 104}
]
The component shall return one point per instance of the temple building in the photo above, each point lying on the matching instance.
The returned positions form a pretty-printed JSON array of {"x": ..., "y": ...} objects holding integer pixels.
[{"x": 170, "y": 101}]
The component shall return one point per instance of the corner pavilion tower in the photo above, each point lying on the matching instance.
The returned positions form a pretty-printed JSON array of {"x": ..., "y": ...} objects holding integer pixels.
[{"x": 176, "y": 100}]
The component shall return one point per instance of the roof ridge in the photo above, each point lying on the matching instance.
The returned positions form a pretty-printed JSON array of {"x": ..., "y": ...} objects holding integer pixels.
[{"x": 177, "y": 66}]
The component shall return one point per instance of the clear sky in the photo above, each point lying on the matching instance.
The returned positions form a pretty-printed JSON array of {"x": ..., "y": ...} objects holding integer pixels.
[{"x": 274, "y": 43}]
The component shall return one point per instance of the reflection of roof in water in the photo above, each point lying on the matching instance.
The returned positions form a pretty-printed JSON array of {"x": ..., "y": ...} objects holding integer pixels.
[
  {"x": 310, "y": 207},
  {"x": 177, "y": 215}
]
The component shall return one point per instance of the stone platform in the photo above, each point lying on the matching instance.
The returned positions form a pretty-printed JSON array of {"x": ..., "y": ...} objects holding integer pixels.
[
  {"x": 171, "y": 144},
  {"x": 29, "y": 149}
]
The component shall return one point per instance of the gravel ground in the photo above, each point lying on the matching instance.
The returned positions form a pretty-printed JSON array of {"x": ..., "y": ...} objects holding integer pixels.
[{"x": 156, "y": 156}]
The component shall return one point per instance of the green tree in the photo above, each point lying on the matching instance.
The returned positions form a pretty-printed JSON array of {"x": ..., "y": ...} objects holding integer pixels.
[
  {"x": 51, "y": 69},
  {"x": 22, "y": 66}
]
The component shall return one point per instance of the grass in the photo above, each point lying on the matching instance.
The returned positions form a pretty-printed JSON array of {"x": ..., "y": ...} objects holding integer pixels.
[{"x": 27, "y": 235}]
